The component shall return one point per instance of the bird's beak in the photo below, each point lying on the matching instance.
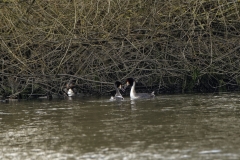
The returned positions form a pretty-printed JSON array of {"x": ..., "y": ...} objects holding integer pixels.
[
  {"x": 125, "y": 85},
  {"x": 122, "y": 88}
]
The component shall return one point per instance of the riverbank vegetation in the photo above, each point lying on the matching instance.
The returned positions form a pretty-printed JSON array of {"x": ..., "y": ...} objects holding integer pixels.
[{"x": 169, "y": 46}]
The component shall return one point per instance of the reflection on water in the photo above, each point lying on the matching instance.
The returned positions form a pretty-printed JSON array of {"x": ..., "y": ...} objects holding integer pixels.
[{"x": 167, "y": 127}]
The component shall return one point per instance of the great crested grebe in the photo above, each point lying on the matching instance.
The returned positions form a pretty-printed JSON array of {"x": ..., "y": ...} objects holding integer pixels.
[
  {"x": 118, "y": 96},
  {"x": 70, "y": 89},
  {"x": 133, "y": 94},
  {"x": 70, "y": 92}
]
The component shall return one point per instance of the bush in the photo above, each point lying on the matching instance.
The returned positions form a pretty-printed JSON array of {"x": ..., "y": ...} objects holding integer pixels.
[{"x": 94, "y": 43}]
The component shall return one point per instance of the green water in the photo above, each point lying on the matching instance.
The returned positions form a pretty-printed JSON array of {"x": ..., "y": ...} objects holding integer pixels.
[{"x": 167, "y": 127}]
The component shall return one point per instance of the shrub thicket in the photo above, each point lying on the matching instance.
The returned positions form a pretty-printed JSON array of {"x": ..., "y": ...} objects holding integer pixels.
[{"x": 190, "y": 45}]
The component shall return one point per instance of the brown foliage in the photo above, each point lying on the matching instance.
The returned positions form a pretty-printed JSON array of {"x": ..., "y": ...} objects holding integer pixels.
[{"x": 47, "y": 43}]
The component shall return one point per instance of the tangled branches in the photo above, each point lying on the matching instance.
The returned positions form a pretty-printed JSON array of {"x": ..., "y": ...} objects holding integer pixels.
[{"x": 172, "y": 45}]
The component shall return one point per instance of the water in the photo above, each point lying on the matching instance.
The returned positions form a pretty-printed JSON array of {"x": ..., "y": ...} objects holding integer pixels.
[{"x": 167, "y": 127}]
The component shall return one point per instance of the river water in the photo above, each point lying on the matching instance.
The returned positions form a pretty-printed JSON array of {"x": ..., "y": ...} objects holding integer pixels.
[{"x": 191, "y": 126}]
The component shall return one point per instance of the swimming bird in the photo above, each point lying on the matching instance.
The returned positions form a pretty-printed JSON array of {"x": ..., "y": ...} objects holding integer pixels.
[
  {"x": 70, "y": 89},
  {"x": 133, "y": 94},
  {"x": 70, "y": 92},
  {"x": 118, "y": 96}
]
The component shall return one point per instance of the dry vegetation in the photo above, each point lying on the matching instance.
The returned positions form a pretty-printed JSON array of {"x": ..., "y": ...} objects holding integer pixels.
[{"x": 190, "y": 45}]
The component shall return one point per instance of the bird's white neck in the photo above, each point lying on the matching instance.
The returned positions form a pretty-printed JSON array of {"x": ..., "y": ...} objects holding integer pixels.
[
  {"x": 117, "y": 92},
  {"x": 70, "y": 92},
  {"x": 133, "y": 92}
]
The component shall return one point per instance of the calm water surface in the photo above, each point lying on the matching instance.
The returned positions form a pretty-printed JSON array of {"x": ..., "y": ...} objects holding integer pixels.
[{"x": 167, "y": 127}]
